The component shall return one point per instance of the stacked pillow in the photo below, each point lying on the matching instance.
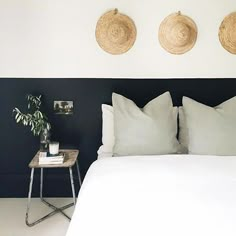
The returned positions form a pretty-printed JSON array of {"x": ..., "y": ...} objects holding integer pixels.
[
  {"x": 130, "y": 130},
  {"x": 152, "y": 130}
]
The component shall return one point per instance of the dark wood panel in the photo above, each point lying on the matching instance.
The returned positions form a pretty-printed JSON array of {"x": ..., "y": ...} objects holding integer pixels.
[{"x": 83, "y": 129}]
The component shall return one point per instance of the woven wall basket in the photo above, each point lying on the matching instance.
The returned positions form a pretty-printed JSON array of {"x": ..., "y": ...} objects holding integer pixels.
[
  {"x": 115, "y": 32},
  {"x": 227, "y": 33},
  {"x": 177, "y": 33}
]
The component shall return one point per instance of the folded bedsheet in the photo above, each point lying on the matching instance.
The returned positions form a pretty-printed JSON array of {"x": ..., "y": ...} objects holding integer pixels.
[{"x": 171, "y": 195}]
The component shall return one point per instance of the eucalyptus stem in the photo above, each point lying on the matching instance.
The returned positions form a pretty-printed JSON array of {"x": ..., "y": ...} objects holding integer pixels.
[{"x": 35, "y": 118}]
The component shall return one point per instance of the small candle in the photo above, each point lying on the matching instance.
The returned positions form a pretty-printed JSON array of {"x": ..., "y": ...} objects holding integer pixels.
[{"x": 54, "y": 148}]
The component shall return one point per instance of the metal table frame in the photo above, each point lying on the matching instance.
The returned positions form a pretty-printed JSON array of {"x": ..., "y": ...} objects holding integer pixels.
[{"x": 55, "y": 209}]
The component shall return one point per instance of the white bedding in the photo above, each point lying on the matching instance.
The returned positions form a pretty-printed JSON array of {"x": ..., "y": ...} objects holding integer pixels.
[{"x": 174, "y": 195}]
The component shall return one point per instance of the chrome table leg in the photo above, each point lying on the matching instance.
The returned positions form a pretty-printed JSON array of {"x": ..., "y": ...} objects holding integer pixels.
[
  {"x": 59, "y": 210},
  {"x": 72, "y": 185},
  {"x": 78, "y": 171},
  {"x": 29, "y": 197},
  {"x": 41, "y": 184},
  {"x": 55, "y": 209}
]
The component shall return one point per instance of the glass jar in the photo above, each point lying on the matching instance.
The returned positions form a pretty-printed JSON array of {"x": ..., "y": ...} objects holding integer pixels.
[{"x": 44, "y": 140}]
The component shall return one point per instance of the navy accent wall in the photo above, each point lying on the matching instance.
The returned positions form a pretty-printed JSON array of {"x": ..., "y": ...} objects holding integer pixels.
[{"x": 83, "y": 129}]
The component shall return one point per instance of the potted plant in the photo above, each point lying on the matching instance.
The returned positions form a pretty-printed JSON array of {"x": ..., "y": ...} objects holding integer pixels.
[{"x": 35, "y": 119}]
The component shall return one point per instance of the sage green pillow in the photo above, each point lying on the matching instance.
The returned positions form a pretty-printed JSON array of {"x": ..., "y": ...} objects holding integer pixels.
[
  {"x": 151, "y": 130},
  {"x": 211, "y": 130}
]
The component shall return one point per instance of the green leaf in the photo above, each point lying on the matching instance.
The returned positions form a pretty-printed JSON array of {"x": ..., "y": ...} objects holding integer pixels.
[{"x": 18, "y": 119}]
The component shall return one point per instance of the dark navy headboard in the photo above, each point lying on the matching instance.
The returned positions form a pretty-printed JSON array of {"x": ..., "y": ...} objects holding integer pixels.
[{"x": 83, "y": 129}]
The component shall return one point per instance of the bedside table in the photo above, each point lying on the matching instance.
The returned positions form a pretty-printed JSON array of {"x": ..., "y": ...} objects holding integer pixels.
[{"x": 69, "y": 161}]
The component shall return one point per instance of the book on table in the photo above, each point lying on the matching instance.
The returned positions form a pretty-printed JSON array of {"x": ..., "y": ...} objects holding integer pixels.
[{"x": 47, "y": 159}]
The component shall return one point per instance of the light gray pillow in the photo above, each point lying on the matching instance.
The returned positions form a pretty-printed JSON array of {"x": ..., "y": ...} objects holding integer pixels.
[
  {"x": 148, "y": 131},
  {"x": 211, "y": 131}
]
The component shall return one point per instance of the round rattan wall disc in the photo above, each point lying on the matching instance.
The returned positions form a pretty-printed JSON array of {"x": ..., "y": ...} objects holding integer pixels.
[
  {"x": 227, "y": 33},
  {"x": 115, "y": 32},
  {"x": 177, "y": 33}
]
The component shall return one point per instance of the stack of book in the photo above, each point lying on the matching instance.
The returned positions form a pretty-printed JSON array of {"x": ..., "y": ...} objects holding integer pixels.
[{"x": 47, "y": 159}]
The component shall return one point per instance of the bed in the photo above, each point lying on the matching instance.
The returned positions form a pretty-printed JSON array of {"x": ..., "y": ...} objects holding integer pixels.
[
  {"x": 157, "y": 195},
  {"x": 153, "y": 194}
]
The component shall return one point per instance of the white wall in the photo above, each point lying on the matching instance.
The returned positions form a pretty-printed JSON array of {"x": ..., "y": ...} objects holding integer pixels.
[{"x": 55, "y": 38}]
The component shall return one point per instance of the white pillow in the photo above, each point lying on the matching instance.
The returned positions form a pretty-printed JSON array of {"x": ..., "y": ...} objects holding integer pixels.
[
  {"x": 102, "y": 154},
  {"x": 151, "y": 130},
  {"x": 108, "y": 138},
  {"x": 212, "y": 131}
]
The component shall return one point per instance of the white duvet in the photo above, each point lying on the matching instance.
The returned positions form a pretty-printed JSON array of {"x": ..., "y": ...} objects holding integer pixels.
[{"x": 174, "y": 195}]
